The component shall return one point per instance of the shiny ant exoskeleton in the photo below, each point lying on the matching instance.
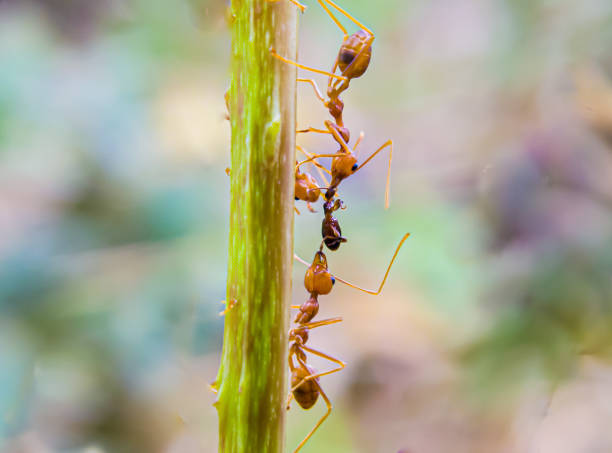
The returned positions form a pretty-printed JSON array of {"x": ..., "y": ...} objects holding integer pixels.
[
  {"x": 353, "y": 60},
  {"x": 305, "y": 385}
]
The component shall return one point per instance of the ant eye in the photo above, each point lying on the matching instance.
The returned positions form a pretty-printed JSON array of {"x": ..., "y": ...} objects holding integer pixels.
[
  {"x": 296, "y": 198},
  {"x": 333, "y": 280},
  {"x": 355, "y": 167}
]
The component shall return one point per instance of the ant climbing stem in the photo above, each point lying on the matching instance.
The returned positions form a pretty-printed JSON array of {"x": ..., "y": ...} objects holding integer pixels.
[
  {"x": 344, "y": 161},
  {"x": 305, "y": 385},
  {"x": 353, "y": 60}
]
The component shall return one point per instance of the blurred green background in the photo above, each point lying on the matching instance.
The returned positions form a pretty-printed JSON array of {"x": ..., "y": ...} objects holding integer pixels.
[{"x": 494, "y": 331}]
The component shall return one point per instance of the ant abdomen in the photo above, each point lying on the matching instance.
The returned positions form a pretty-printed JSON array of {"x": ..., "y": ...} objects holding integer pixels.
[
  {"x": 307, "y": 393},
  {"x": 354, "y": 58}
]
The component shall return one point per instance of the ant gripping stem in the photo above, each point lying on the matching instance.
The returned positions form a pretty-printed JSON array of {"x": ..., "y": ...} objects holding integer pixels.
[
  {"x": 305, "y": 386},
  {"x": 353, "y": 60},
  {"x": 344, "y": 161}
]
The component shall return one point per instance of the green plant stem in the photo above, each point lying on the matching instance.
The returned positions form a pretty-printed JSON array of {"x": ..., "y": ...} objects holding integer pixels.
[{"x": 252, "y": 378}]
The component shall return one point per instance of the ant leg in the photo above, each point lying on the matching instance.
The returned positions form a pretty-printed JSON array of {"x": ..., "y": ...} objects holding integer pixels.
[
  {"x": 291, "y": 62},
  {"x": 232, "y": 304},
  {"x": 316, "y": 164},
  {"x": 289, "y": 398},
  {"x": 315, "y": 87},
  {"x": 311, "y": 377},
  {"x": 310, "y": 208},
  {"x": 369, "y": 291},
  {"x": 390, "y": 144},
  {"x": 337, "y": 136},
  {"x": 321, "y": 420},
  {"x": 320, "y": 169},
  {"x": 323, "y": 322},
  {"x": 312, "y": 129},
  {"x": 336, "y": 21},
  {"x": 314, "y": 156},
  {"x": 345, "y": 13},
  {"x": 295, "y": 2},
  {"x": 296, "y": 210}
]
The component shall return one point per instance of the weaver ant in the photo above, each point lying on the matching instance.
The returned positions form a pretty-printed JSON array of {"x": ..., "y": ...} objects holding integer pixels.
[
  {"x": 305, "y": 385},
  {"x": 306, "y": 187},
  {"x": 344, "y": 161},
  {"x": 353, "y": 60}
]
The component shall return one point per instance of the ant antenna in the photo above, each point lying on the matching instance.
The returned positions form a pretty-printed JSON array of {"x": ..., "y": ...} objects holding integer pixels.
[{"x": 369, "y": 291}]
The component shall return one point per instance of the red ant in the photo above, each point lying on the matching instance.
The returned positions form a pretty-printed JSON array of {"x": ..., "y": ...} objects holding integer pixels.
[
  {"x": 344, "y": 161},
  {"x": 306, "y": 187},
  {"x": 330, "y": 228},
  {"x": 305, "y": 386},
  {"x": 353, "y": 60}
]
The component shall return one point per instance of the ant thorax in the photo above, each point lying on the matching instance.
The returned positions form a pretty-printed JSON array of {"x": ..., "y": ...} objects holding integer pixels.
[
  {"x": 299, "y": 335},
  {"x": 308, "y": 310}
]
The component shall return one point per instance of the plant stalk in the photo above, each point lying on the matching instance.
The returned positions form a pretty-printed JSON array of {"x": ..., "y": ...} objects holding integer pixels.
[{"x": 252, "y": 377}]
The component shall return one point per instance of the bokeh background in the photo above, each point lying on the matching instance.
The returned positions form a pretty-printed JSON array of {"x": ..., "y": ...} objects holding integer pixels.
[{"x": 494, "y": 332}]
